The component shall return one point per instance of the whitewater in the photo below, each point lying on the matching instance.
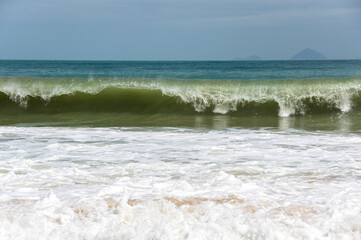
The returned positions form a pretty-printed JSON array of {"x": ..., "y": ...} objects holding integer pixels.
[
  {"x": 169, "y": 183},
  {"x": 180, "y": 150},
  {"x": 278, "y": 97}
]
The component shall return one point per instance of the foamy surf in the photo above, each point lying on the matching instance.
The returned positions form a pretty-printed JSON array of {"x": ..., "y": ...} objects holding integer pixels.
[
  {"x": 277, "y": 97},
  {"x": 175, "y": 183}
]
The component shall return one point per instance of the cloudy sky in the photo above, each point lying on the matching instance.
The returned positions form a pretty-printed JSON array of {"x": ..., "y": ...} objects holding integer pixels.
[{"x": 178, "y": 29}]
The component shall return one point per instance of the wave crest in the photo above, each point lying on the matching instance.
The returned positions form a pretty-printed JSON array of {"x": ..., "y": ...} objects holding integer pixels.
[{"x": 282, "y": 97}]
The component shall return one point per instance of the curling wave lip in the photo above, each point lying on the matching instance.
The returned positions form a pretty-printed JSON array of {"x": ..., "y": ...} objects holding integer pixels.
[{"x": 277, "y": 97}]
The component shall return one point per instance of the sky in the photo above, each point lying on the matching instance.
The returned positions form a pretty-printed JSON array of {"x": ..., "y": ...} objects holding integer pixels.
[{"x": 178, "y": 29}]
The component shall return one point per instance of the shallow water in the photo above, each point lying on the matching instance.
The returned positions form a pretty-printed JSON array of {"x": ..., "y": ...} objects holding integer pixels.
[
  {"x": 177, "y": 183},
  {"x": 180, "y": 150}
]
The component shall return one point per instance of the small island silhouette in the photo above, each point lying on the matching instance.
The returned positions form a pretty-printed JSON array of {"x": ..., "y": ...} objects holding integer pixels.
[{"x": 308, "y": 54}]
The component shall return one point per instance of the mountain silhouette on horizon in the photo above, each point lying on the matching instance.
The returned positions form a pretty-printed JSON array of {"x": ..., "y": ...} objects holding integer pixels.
[{"x": 308, "y": 54}]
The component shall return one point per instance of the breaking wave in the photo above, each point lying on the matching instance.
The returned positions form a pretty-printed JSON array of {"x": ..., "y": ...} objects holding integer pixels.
[{"x": 273, "y": 97}]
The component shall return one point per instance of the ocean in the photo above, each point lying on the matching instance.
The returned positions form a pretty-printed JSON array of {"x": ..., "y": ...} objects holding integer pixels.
[{"x": 180, "y": 149}]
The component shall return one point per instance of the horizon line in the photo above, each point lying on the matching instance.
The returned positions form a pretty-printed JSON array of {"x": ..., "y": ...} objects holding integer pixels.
[{"x": 171, "y": 60}]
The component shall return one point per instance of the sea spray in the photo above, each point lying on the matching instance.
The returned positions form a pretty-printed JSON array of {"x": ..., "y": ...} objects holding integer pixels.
[
  {"x": 171, "y": 183},
  {"x": 180, "y": 150},
  {"x": 283, "y": 97}
]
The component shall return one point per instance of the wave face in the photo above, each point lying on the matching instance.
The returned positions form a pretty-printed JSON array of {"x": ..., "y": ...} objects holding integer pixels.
[{"x": 277, "y": 97}]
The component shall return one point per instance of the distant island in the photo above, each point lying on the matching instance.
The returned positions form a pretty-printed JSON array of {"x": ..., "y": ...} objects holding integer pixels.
[
  {"x": 250, "y": 58},
  {"x": 308, "y": 54}
]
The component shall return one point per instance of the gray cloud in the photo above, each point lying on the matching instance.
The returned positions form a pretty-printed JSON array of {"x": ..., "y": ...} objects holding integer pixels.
[{"x": 176, "y": 29}]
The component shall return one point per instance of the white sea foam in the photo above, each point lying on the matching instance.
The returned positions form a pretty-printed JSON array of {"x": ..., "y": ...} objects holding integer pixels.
[
  {"x": 221, "y": 97},
  {"x": 163, "y": 183}
]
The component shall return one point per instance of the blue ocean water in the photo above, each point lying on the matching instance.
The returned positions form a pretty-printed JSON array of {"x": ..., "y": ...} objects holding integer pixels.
[
  {"x": 180, "y": 150},
  {"x": 220, "y": 70},
  {"x": 175, "y": 93}
]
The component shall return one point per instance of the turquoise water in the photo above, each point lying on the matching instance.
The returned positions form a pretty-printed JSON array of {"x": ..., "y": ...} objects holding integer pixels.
[
  {"x": 180, "y": 150},
  {"x": 194, "y": 70},
  {"x": 246, "y": 93}
]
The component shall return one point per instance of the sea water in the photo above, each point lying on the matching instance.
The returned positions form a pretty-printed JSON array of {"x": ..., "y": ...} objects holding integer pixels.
[{"x": 180, "y": 150}]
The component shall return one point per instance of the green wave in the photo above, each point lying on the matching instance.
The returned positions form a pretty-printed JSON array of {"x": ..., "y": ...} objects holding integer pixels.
[{"x": 277, "y": 97}]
